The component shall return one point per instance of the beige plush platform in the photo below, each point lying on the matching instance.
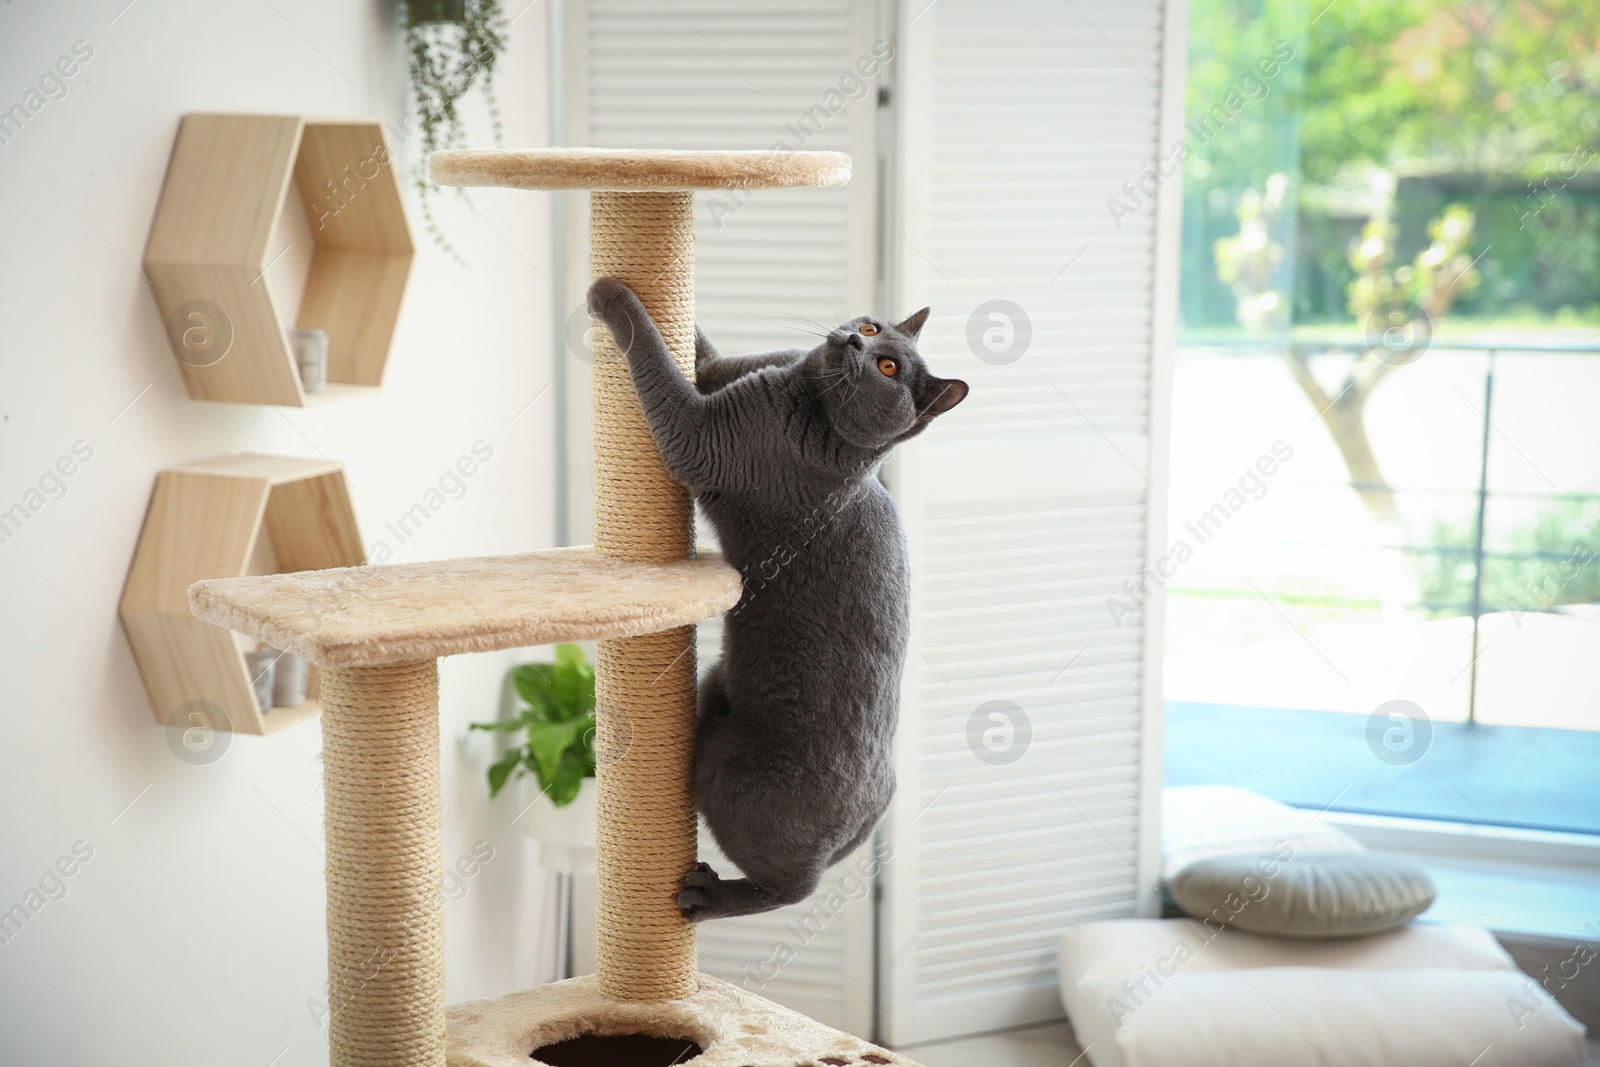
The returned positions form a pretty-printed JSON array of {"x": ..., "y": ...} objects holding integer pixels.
[
  {"x": 369, "y": 615},
  {"x": 626, "y": 169},
  {"x": 735, "y": 1027}
]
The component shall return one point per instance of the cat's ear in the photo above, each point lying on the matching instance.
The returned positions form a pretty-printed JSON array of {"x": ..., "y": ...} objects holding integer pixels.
[
  {"x": 939, "y": 396},
  {"x": 913, "y": 324}
]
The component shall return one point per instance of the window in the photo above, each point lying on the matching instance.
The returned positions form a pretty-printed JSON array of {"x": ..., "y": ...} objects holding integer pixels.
[{"x": 1385, "y": 500}]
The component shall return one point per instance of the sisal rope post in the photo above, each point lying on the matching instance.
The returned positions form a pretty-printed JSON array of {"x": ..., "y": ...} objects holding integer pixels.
[
  {"x": 385, "y": 868},
  {"x": 644, "y": 686}
]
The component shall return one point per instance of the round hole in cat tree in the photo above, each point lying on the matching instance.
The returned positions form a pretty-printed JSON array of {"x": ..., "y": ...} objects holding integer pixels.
[{"x": 618, "y": 1050}]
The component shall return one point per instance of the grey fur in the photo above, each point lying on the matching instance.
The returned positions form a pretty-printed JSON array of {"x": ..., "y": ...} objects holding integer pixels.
[{"x": 782, "y": 449}]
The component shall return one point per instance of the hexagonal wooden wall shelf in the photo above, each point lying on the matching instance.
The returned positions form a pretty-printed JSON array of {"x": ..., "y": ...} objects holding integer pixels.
[
  {"x": 206, "y": 520},
  {"x": 208, "y": 253}
]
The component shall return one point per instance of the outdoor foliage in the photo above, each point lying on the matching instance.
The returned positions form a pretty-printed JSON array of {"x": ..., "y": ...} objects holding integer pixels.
[
  {"x": 558, "y": 724},
  {"x": 1248, "y": 262},
  {"x": 1492, "y": 105},
  {"x": 1467, "y": 85},
  {"x": 1430, "y": 283},
  {"x": 1539, "y": 565}
]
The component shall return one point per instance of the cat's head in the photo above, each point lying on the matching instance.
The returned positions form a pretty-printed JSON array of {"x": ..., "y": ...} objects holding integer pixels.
[{"x": 876, "y": 388}]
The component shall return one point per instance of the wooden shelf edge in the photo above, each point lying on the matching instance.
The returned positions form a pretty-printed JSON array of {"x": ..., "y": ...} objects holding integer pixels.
[
  {"x": 280, "y": 719},
  {"x": 335, "y": 393},
  {"x": 338, "y": 393},
  {"x": 274, "y": 469}
]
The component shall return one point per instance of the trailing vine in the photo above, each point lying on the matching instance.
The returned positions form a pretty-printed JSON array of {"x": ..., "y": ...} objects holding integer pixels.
[{"x": 451, "y": 45}]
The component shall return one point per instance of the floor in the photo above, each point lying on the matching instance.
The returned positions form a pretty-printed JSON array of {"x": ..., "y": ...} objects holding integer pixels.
[
  {"x": 1051, "y": 1045},
  {"x": 1489, "y": 775}
]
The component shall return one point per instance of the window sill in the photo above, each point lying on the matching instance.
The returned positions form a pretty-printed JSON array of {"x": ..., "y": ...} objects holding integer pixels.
[{"x": 1512, "y": 881}]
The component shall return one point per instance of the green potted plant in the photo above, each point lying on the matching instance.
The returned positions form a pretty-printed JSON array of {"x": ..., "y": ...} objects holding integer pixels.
[
  {"x": 450, "y": 46},
  {"x": 553, "y": 735}
]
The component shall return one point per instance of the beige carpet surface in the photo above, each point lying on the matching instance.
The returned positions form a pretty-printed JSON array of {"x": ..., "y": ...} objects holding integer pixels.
[
  {"x": 630, "y": 169},
  {"x": 370, "y": 615},
  {"x": 735, "y": 1027}
]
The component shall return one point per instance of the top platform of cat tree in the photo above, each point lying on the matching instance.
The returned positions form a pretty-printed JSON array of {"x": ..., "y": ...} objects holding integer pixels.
[
  {"x": 369, "y": 616},
  {"x": 637, "y": 170}
]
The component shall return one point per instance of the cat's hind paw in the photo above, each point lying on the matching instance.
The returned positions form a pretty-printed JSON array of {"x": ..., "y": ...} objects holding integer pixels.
[{"x": 695, "y": 896}]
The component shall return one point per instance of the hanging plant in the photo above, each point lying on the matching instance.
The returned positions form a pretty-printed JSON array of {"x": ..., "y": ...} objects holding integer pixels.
[{"x": 451, "y": 46}]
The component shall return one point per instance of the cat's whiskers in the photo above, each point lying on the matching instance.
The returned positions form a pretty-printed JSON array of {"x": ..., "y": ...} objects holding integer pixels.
[
  {"x": 817, "y": 325},
  {"x": 855, "y": 388},
  {"x": 839, "y": 376},
  {"x": 808, "y": 331}
]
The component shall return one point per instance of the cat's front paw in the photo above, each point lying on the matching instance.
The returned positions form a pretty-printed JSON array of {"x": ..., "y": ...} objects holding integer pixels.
[
  {"x": 605, "y": 295},
  {"x": 695, "y": 896}
]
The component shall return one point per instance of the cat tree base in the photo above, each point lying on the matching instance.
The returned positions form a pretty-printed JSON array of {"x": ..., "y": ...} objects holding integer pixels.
[{"x": 734, "y": 1027}]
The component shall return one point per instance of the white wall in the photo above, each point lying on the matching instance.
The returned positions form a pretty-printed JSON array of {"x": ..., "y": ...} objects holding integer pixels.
[{"x": 194, "y": 934}]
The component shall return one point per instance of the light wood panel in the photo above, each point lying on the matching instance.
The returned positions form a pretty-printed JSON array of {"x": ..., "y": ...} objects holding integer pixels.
[
  {"x": 227, "y": 183},
  {"x": 276, "y": 470},
  {"x": 312, "y": 525},
  {"x": 359, "y": 209},
  {"x": 207, "y": 520},
  {"x": 185, "y": 659},
  {"x": 355, "y": 295},
  {"x": 225, "y": 186}
]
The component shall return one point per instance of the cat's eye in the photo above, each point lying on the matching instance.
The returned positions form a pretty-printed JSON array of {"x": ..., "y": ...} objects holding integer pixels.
[
  {"x": 869, "y": 330},
  {"x": 889, "y": 367}
]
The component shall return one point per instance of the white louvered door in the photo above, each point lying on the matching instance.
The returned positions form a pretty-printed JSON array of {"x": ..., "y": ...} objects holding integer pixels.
[
  {"x": 1027, "y": 508},
  {"x": 727, "y": 74},
  {"x": 1029, "y": 505}
]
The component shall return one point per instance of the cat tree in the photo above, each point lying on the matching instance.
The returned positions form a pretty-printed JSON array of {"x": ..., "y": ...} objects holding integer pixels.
[{"x": 377, "y": 633}]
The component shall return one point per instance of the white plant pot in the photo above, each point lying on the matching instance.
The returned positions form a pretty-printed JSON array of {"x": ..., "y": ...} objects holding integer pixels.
[{"x": 566, "y": 834}]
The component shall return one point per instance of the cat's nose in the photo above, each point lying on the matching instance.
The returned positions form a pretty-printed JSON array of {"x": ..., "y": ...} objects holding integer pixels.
[{"x": 854, "y": 340}]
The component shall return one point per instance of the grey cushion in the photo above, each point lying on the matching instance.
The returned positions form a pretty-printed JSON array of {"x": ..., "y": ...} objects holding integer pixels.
[{"x": 1306, "y": 894}]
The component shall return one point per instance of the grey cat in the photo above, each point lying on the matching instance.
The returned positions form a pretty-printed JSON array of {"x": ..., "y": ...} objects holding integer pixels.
[{"x": 781, "y": 449}]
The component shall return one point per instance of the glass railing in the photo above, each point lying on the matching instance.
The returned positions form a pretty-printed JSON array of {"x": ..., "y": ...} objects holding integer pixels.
[{"x": 1366, "y": 641}]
